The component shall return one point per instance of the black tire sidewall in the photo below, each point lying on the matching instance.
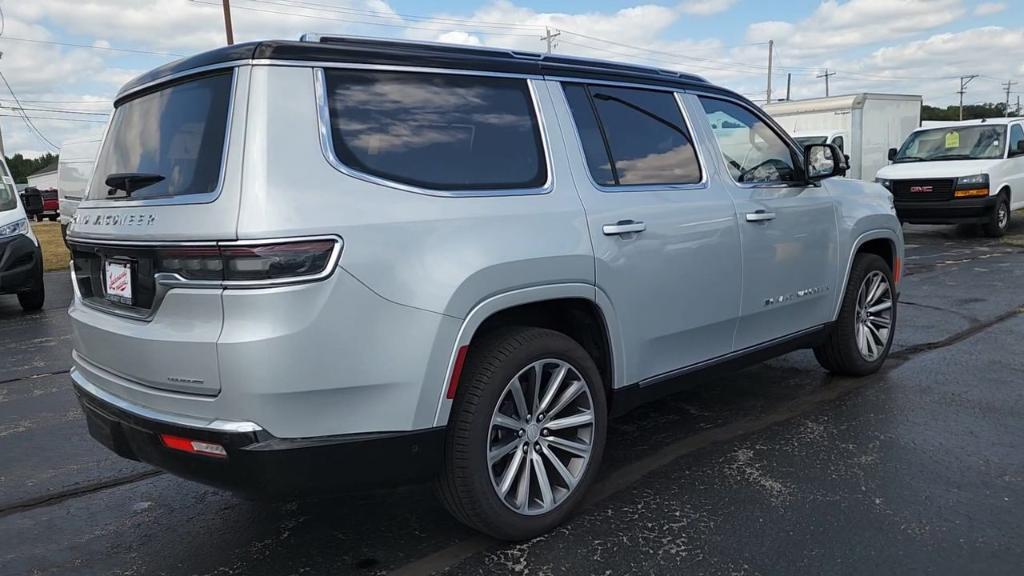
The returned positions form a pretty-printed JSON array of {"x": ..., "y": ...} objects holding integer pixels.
[{"x": 503, "y": 522}]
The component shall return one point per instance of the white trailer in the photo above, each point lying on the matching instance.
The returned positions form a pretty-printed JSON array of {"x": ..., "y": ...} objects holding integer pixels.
[{"x": 863, "y": 125}]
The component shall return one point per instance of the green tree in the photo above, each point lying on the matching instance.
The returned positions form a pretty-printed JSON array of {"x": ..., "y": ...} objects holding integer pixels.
[
  {"x": 21, "y": 167},
  {"x": 971, "y": 111}
]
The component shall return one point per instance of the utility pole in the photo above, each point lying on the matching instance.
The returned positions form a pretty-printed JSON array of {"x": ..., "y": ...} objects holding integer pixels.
[
  {"x": 964, "y": 81},
  {"x": 227, "y": 22},
  {"x": 771, "y": 50},
  {"x": 1017, "y": 113},
  {"x": 826, "y": 76},
  {"x": 789, "y": 84},
  {"x": 1008, "y": 84},
  {"x": 549, "y": 38}
]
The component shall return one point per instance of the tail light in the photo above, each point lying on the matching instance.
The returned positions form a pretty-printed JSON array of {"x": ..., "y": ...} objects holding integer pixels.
[{"x": 253, "y": 264}]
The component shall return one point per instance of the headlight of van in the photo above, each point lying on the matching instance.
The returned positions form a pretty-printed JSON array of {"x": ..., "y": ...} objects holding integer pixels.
[
  {"x": 887, "y": 184},
  {"x": 14, "y": 228},
  {"x": 974, "y": 186}
]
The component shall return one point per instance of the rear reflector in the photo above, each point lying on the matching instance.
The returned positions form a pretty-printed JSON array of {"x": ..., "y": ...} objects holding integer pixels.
[
  {"x": 453, "y": 384},
  {"x": 252, "y": 263},
  {"x": 897, "y": 271},
  {"x": 193, "y": 446}
]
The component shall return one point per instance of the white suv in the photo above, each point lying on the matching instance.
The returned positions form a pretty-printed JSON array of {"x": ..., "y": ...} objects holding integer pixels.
[{"x": 347, "y": 262}]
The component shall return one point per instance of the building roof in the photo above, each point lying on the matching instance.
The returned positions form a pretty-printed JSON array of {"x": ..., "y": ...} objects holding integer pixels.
[
  {"x": 316, "y": 48},
  {"x": 48, "y": 169}
]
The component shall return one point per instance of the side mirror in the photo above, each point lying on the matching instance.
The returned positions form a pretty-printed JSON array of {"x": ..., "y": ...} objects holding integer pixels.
[
  {"x": 892, "y": 154},
  {"x": 824, "y": 161}
]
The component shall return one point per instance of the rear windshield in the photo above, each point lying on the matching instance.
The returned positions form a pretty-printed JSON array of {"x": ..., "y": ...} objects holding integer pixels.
[
  {"x": 166, "y": 143},
  {"x": 438, "y": 131}
]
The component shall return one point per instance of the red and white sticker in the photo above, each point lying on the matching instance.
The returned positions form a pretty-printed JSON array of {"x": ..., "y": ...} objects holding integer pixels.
[{"x": 119, "y": 282}]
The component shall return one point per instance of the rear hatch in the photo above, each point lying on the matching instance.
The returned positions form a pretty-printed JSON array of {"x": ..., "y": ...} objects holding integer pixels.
[{"x": 166, "y": 181}]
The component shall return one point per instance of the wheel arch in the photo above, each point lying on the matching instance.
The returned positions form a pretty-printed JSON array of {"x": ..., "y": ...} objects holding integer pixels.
[
  {"x": 581, "y": 311},
  {"x": 882, "y": 242}
]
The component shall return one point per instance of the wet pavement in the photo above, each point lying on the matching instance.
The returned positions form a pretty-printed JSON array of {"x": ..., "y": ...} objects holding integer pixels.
[{"x": 776, "y": 469}]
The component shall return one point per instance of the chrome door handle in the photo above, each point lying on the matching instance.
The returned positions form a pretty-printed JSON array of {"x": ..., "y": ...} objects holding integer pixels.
[
  {"x": 760, "y": 216},
  {"x": 623, "y": 227}
]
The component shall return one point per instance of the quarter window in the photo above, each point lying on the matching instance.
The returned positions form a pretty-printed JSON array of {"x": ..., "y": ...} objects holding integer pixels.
[
  {"x": 633, "y": 136},
  {"x": 437, "y": 131},
  {"x": 753, "y": 152}
]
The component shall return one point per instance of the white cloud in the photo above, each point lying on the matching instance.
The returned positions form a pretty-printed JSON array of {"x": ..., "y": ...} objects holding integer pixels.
[
  {"x": 989, "y": 8},
  {"x": 705, "y": 7}
]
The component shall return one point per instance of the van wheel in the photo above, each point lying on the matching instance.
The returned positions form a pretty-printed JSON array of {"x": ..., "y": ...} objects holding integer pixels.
[
  {"x": 861, "y": 338},
  {"x": 526, "y": 433},
  {"x": 33, "y": 299},
  {"x": 999, "y": 220}
]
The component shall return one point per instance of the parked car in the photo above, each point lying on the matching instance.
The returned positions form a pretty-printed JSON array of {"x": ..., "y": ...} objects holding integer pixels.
[
  {"x": 21, "y": 258},
  {"x": 969, "y": 173},
  {"x": 863, "y": 125},
  {"x": 508, "y": 249},
  {"x": 32, "y": 201},
  {"x": 51, "y": 205},
  {"x": 74, "y": 170}
]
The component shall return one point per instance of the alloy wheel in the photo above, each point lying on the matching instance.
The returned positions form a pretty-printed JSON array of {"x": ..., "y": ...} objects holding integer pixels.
[
  {"x": 540, "y": 437},
  {"x": 873, "y": 323}
]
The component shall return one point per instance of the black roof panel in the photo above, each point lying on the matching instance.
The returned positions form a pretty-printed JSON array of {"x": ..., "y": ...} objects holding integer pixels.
[{"x": 396, "y": 52}]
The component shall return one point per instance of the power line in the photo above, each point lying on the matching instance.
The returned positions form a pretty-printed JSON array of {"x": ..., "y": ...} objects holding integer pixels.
[
  {"x": 52, "y": 118},
  {"x": 58, "y": 110},
  {"x": 109, "y": 48},
  {"x": 964, "y": 81},
  {"x": 25, "y": 117}
]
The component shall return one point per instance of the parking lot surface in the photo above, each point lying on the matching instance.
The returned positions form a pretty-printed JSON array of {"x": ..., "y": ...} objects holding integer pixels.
[{"x": 780, "y": 468}]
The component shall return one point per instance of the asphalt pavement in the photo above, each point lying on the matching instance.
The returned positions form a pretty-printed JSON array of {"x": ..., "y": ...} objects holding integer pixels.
[{"x": 777, "y": 469}]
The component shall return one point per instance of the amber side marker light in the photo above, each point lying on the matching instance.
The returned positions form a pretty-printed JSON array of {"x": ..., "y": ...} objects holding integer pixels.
[
  {"x": 971, "y": 193},
  {"x": 193, "y": 446}
]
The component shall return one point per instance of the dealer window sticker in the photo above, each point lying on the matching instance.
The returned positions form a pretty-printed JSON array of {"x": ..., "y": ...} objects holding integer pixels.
[{"x": 952, "y": 139}]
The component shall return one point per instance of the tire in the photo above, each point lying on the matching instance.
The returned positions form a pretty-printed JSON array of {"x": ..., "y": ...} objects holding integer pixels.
[
  {"x": 999, "y": 221},
  {"x": 32, "y": 300},
  {"x": 468, "y": 485},
  {"x": 841, "y": 352},
  {"x": 39, "y": 217},
  {"x": 53, "y": 218}
]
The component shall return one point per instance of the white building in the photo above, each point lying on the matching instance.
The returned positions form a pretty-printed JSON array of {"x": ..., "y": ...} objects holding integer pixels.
[{"x": 44, "y": 178}]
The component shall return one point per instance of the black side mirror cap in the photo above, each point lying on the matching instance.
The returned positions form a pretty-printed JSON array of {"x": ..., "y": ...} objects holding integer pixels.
[{"x": 892, "y": 154}]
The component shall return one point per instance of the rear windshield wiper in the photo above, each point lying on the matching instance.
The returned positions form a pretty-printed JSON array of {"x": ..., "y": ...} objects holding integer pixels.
[{"x": 130, "y": 182}]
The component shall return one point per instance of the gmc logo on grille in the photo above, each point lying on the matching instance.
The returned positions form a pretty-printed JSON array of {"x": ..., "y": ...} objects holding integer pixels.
[{"x": 921, "y": 188}]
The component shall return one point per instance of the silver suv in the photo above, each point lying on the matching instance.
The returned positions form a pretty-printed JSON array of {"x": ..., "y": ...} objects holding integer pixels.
[{"x": 343, "y": 262}]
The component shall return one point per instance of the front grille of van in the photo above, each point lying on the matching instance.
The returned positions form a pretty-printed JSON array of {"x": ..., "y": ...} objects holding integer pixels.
[
  {"x": 934, "y": 190},
  {"x": 89, "y": 265}
]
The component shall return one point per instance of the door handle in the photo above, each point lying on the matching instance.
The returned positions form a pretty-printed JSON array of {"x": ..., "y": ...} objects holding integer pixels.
[
  {"x": 760, "y": 216},
  {"x": 623, "y": 227}
]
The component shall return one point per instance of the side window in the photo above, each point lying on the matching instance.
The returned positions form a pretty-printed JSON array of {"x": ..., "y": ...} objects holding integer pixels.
[
  {"x": 1016, "y": 136},
  {"x": 633, "y": 136},
  {"x": 437, "y": 131},
  {"x": 754, "y": 153},
  {"x": 838, "y": 141}
]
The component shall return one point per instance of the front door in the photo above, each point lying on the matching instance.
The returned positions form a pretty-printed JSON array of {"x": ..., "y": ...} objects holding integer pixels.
[
  {"x": 788, "y": 227},
  {"x": 666, "y": 241}
]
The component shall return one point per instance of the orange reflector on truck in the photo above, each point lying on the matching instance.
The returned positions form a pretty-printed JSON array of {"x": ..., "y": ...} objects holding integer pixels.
[
  {"x": 972, "y": 193},
  {"x": 193, "y": 446}
]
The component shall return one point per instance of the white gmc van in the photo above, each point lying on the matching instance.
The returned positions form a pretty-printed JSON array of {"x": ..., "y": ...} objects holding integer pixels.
[{"x": 968, "y": 173}]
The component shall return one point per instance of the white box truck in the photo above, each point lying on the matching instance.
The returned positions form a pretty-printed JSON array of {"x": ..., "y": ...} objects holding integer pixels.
[
  {"x": 74, "y": 171},
  {"x": 863, "y": 125}
]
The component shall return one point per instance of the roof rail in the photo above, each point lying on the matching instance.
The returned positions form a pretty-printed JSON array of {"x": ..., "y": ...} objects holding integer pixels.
[{"x": 555, "y": 59}]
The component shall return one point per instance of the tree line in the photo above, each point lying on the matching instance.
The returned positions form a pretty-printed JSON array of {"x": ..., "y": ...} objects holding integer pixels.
[
  {"x": 21, "y": 167},
  {"x": 971, "y": 111}
]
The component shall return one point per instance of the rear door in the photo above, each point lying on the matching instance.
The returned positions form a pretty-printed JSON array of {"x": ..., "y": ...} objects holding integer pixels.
[
  {"x": 665, "y": 240},
  {"x": 788, "y": 227},
  {"x": 166, "y": 179}
]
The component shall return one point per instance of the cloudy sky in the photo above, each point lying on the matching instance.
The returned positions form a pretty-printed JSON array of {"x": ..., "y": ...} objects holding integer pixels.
[{"x": 65, "y": 59}]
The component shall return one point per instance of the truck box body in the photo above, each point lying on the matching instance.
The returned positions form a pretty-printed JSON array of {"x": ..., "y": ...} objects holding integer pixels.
[{"x": 869, "y": 124}]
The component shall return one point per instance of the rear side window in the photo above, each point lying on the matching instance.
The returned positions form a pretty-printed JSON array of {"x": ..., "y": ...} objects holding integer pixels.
[
  {"x": 8, "y": 201},
  {"x": 1016, "y": 136},
  {"x": 437, "y": 131},
  {"x": 171, "y": 139},
  {"x": 633, "y": 136}
]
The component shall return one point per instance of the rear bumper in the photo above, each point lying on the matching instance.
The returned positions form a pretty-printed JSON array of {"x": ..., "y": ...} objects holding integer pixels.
[
  {"x": 963, "y": 211},
  {"x": 257, "y": 463},
  {"x": 21, "y": 264}
]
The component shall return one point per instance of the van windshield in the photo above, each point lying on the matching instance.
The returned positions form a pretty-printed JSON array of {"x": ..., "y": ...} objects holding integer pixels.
[
  {"x": 954, "y": 143},
  {"x": 165, "y": 143}
]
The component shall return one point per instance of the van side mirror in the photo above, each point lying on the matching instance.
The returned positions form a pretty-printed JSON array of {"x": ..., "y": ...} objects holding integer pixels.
[
  {"x": 824, "y": 161},
  {"x": 892, "y": 154}
]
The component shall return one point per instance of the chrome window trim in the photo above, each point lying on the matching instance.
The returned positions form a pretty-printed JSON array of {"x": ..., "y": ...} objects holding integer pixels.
[
  {"x": 784, "y": 137},
  {"x": 620, "y": 188},
  {"x": 150, "y": 414},
  {"x": 327, "y": 140},
  {"x": 166, "y": 281},
  {"x": 181, "y": 199}
]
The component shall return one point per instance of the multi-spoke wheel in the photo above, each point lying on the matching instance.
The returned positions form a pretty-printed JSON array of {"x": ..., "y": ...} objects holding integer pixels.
[
  {"x": 861, "y": 337},
  {"x": 525, "y": 434}
]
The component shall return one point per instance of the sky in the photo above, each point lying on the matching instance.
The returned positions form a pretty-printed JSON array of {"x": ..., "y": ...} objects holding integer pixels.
[{"x": 66, "y": 59}]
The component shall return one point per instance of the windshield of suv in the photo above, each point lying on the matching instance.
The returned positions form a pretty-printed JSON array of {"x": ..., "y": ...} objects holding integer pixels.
[
  {"x": 807, "y": 140},
  {"x": 166, "y": 143},
  {"x": 8, "y": 198},
  {"x": 954, "y": 143}
]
